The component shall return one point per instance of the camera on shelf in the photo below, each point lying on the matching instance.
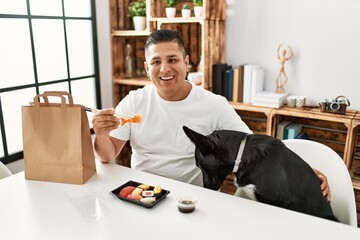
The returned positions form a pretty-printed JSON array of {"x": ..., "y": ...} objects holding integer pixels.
[{"x": 337, "y": 105}]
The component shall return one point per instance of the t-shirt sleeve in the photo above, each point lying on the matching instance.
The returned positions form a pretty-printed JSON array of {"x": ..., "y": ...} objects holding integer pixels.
[{"x": 230, "y": 120}]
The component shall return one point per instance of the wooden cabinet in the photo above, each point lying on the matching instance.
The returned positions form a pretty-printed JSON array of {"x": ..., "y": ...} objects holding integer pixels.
[
  {"x": 339, "y": 132},
  {"x": 333, "y": 130},
  {"x": 354, "y": 151},
  {"x": 354, "y": 157}
]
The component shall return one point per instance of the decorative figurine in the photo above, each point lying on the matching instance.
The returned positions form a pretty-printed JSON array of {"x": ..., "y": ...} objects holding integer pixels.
[{"x": 284, "y": 53}]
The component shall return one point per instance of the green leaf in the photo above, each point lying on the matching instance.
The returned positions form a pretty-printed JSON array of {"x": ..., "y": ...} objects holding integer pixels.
[
  {"x": 198, "y": 2},
  {"x": 137, "y": 8},
  {"x": 170, "y": 3}
]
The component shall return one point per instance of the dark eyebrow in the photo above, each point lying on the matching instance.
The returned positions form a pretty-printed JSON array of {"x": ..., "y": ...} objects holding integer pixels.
[
  {"x": 155, "y": 58},
  {"x": 167, "y": 57}
]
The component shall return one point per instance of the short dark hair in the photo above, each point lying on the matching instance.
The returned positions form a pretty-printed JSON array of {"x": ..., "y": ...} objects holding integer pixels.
[{"x": 163, "y": 36}]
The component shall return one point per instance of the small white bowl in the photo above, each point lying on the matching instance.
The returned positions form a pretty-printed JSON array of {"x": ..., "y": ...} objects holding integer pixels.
[{"x": 186, "y": 205}]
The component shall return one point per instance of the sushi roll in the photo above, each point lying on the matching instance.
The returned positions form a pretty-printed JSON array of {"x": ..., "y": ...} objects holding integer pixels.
[
  {"x": 148, "y": 200},
  {"x": 147, "y": 193},
  {"x": 157, "y": 191},
  {"x": 137, "y": 191}
]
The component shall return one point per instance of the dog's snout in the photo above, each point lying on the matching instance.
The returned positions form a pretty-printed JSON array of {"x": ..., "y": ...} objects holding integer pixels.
[{"x": 212, "y": 182}]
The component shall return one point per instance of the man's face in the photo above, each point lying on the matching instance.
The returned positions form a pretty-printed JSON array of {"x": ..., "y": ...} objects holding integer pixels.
[{"x": 167, "y": 68}]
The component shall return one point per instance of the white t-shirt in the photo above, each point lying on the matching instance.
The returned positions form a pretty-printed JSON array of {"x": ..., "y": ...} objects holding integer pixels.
[{"x": 159, "y": 144}]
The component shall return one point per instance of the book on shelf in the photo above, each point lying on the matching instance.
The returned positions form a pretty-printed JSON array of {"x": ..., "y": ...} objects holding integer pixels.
[
  {"x": 269, "y": 99},
  {"x": 248, "y": 69},
  {"x": 235, "y": 89},
  {"x": 292, "y": 131},
  {"x": 281, "y": 129},
  {"x": 266, "y": 104},
  {"x": 238, "y": 77},
  {"x": 241, "y": 83},
  {"x": 257, "y": 82},
  {"x": 271, "y": 96},
  {"x": 217, "y": 78},
  {"x": 228, "y": 83},
  {"x": 244, "y": 83},
  {"x": 302, "y": 135}
]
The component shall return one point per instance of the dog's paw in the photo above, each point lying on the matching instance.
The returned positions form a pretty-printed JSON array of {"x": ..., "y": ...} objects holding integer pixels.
[{"x": 247, "y": 191}]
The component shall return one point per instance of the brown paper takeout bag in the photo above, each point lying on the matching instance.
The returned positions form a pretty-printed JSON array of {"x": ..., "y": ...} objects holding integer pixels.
[{"x": 56, "y": 140}]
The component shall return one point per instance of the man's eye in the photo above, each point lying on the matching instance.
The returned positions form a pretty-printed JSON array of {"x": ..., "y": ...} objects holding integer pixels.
[
  {"x": 172, "y": 60},
  {"x": 155, "y": 63}
]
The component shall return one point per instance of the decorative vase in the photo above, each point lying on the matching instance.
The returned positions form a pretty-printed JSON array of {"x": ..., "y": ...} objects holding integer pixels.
[
  {"x": 139, "y": 23},
  {"x": 185, "y": 13},
  {"x": 198, "y": 11},
  {"x": 170, "y": 12}
]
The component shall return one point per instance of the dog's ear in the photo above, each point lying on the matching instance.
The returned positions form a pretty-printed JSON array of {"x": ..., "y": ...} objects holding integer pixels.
[{"x": 202, "y": 142}]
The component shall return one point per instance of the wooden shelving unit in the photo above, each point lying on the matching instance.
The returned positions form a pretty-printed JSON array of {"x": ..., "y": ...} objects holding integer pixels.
[
  {"x": 354, "y": 151},
  {"x": 333, "y": 130}
]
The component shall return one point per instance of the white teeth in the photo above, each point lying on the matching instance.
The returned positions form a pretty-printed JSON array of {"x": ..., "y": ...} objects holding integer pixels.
[{"x": 167, "y": 78}]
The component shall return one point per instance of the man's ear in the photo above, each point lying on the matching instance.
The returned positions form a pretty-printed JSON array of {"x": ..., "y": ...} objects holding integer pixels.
[
  {"x": 146, "y": 68},
  {"x": 202, "y": 142},
  {"x": 187, "y": 60}
]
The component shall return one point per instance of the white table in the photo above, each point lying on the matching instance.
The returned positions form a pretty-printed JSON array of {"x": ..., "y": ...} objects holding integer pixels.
[{"x": 43, "y": 210}]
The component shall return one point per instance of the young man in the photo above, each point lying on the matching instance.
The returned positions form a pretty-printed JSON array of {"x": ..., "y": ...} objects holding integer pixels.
[{"x": 159, "y": 144}]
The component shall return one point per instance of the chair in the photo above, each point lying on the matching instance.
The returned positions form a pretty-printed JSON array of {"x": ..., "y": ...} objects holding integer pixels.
[
  {"x": 328, "y": 162},
  {"x": 4, "y": 171}
]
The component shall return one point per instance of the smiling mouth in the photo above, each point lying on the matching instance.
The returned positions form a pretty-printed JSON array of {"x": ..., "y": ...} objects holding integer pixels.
[{"x": 167, "y": 78}]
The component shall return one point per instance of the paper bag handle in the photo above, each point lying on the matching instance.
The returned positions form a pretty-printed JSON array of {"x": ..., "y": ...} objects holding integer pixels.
[
  {"x": 63, "y": 93},
  {"x": 47, "y": 94},
  {"x": 44, "y": 96}
]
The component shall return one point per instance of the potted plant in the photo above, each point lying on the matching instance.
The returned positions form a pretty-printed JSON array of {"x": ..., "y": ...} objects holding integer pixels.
[
  {"x": 170, "y": 9},
  {"x": 185, "y": 11},
  {"x": 198, "y": 8},
  {"x": 137, "y": 10}
]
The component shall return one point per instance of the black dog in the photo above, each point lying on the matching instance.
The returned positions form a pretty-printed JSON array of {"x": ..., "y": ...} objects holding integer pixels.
[{"x": 266, "y": 170}]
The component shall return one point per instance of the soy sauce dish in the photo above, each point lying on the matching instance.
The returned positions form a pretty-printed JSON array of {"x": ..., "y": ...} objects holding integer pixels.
[{"x": 186, "y": 205}]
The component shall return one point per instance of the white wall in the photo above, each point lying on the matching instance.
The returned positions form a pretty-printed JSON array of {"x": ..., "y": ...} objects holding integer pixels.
[
  {"x": 104, "y": 47},
  {"x": 324, "y": 34}
]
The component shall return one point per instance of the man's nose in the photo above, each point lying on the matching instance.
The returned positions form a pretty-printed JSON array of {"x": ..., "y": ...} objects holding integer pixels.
[{"x": 164, "y": 67}]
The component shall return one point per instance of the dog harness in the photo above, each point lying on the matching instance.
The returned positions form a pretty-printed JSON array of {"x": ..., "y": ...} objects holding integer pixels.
[{"x": 239, "y": 155}]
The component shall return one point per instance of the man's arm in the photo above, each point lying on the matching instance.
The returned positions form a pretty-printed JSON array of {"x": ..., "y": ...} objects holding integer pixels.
[{"x": 106, "y": 147}]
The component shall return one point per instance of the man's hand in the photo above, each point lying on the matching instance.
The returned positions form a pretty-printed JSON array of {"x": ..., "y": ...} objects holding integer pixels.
[
  {"x": 324, "y": 185},
  {"x": 104, "y": 121},
  {"x": 106, "y": 148}
]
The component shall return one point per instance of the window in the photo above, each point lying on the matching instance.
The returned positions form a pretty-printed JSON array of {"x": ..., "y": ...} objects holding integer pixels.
[{"x": 45, "y": 45}]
